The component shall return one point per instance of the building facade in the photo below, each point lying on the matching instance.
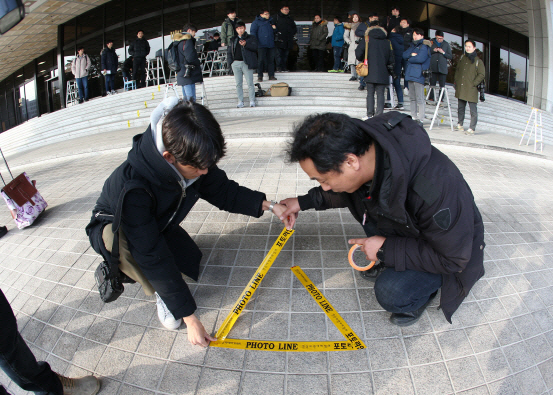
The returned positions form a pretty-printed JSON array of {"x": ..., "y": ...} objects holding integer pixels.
[{"x": 39, "y": 87}]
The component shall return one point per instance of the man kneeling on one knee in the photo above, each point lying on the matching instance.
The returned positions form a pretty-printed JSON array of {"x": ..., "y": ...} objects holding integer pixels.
[
  {"x": 171, "y": 165},
  {"x": 413, "y": 203}
]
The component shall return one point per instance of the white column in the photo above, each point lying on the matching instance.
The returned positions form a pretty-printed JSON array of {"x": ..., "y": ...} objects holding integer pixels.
[{"x": 540, "y": 69}]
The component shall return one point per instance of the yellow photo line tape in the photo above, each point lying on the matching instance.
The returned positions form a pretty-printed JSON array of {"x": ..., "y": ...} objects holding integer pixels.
[
  {"x": 253, "y": 284},
  {"x": 330, "y": 311},
  {"x": 284, "y": 346}
]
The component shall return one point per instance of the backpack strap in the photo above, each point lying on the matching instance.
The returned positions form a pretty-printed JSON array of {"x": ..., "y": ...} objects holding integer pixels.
[{"x": 395, "y": 120}]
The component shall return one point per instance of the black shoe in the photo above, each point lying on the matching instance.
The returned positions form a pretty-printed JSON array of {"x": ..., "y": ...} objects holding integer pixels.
[
  {"x": 387, "y": 105},
  {"x": 399, "y": 107},
  {"x": 3, "y": 231},
  {"x": 406, "y": 319},
  {"x": 361, "y": 88},
  {"x": 373, "y": 272}
]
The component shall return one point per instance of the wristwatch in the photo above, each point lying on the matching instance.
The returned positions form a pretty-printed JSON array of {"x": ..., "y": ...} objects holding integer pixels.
[
  {"x": 380, "y": 254},
  {"x": 272, "y": 205}
]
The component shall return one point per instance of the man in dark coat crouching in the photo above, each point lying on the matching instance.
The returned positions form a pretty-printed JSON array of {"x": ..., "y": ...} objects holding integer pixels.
[
  {"x": 171, "y": 165},
  {"x": 422, "y": 225}
]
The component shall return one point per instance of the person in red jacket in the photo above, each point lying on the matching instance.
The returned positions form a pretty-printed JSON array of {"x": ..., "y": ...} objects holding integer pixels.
[{"x": 415, "y": 207}]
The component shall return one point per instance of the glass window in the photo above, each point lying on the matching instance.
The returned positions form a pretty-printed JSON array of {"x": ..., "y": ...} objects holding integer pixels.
[
  {"x": 114, "y": 12},
  {"x": 503, "y": 72},
  {"x": 517, "y": 77},
  {"x": 90, "y": 22},
  {"x": 445, "y": 18}
]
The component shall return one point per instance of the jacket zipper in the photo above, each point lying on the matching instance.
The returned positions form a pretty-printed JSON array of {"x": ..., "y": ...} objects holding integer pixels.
[{"x": 182, "y": 196}]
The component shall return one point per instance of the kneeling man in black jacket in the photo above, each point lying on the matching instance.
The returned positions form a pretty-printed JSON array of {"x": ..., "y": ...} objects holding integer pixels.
[
  {"x": 422, "y": 225},
  {"x": 171, "y": 165}
]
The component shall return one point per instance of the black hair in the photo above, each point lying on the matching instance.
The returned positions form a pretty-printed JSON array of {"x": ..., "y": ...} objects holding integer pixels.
[
  {"x": 193, "y": 136},
  {"x": 189, "y": 26},
  {"x": 472, "y": 42},
  {"x": 407, "y": 20},
  {"x": 338, "y": 18},
  {"x": 326, "y": 139},
  {"x": 240, "y": 24},
  {"x": 79, "y": 48},
  {"x": 231, "y": 11},
  {"x": 419, "y": 31}
]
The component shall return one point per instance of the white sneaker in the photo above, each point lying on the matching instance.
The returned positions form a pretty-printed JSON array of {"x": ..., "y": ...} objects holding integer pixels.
[
  {"x": 240, "y": 105},
  {"x": 165, "y": 316},
  {"x": 88, "y": 385}
]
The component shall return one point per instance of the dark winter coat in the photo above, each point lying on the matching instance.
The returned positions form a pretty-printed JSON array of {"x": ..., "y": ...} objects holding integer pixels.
[
  {"x": 416, "y": 64},
  {"x": 110, "y": 60},
  {"x": 127, "y": 65},
  {"x": 263, "y": 30},
  {"x": 467, "y": 77},
  {"x": 421, "y": 203},
  {"x": 151, "y": 216},
  {"x": 407, "y": 37},
  {"x": 397, "y": 45},
  {"x": 285, "y": 31},
  {"x": 249, "y": 51},
  {"x": 228, "y": 30},
  {"x": 319, "y": 33},
  {"x": 380, "y": 54},
  {"x": 188, "y": 55},
  {"x": 139, "y": 48},
  {"x": 338, "y": 35},
  {"x": 438, "y": 61}
]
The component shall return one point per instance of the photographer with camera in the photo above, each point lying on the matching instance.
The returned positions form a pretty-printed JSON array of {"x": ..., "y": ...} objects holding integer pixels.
[
  {"x": 379, "y": 57},
  {"x": 242, "y": 57},
  {"x": 191, "y": 71},
  {"x": 418, "y": 60},
  {"x": 469, "y": 74}
]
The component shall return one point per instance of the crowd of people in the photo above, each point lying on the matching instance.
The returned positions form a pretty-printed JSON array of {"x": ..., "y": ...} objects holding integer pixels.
[{"x": 391, "y": 47}]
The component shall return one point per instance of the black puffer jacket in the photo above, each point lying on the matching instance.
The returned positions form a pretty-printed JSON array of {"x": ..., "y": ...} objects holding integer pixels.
[
  {"x": 249, "y": 51},
  {"x": 139, "y": 48},
  {"x": 380, "y": 54},
  {"x": 109, "y": 60},
  {"x": 150, "y": 219},
  {"x": 285, "y": 31},
  {"x": 188, "y": 55},
  {"x": 421, "y": 203}
]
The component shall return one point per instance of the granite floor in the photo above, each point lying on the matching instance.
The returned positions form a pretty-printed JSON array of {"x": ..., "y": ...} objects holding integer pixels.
[{"x": 500, "y": 342}]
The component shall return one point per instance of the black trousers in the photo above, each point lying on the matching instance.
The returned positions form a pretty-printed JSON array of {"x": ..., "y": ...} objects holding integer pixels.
[
  {"x": 139, "y": 71},
  {"x": 18, "y": 361}
]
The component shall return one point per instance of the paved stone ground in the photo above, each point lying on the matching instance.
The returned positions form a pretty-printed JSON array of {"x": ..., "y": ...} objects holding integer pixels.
[{"x": 500, "y": 341}]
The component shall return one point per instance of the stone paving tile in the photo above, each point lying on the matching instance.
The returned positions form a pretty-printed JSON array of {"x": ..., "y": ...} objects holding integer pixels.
[{"x": 500, "y": 342}]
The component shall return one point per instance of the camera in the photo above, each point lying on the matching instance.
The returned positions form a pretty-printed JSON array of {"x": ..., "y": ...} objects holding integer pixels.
[{"x": 188, "y": 70}]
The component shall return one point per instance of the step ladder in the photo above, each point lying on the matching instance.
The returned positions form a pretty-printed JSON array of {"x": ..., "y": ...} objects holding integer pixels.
[
  {"x": 537, "y": 126},
  {"x": 443, "y": 93},
  {"x": 71, "y": 96}
]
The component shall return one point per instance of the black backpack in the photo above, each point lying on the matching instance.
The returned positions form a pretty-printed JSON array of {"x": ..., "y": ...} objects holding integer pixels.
[{"x": 172, "y": 56}]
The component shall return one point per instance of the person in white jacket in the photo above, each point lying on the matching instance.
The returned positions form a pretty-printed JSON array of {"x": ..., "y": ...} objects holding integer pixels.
[
  {"x": 353, "y": 41},
  {"x": 79, "y": 67}
]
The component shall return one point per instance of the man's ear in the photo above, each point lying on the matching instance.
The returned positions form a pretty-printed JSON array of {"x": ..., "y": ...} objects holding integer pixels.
[
  {"x": 168, "y": 157},
  {"x": 352, "y": 161}
]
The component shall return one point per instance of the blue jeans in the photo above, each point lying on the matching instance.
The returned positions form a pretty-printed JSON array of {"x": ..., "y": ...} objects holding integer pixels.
[
  {"x": 337, "y": 52},
  {"x": 82, "y": 84},
  {"x": 17, "y": 360},
  {"x": 402, "y": 292},
  {"x": 110, "y": 82},
  {"x": 265, "y": 59},
  {"x": 189, "y": 92}
]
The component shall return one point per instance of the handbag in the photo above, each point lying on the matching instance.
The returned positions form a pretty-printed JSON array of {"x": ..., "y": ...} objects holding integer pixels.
[
  {"x": 23, "y": 200},
  {"x": 362, "y": 69}
]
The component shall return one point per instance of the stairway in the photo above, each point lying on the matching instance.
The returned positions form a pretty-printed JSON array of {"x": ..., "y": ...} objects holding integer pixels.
[{"x": 311, "y": 93}]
